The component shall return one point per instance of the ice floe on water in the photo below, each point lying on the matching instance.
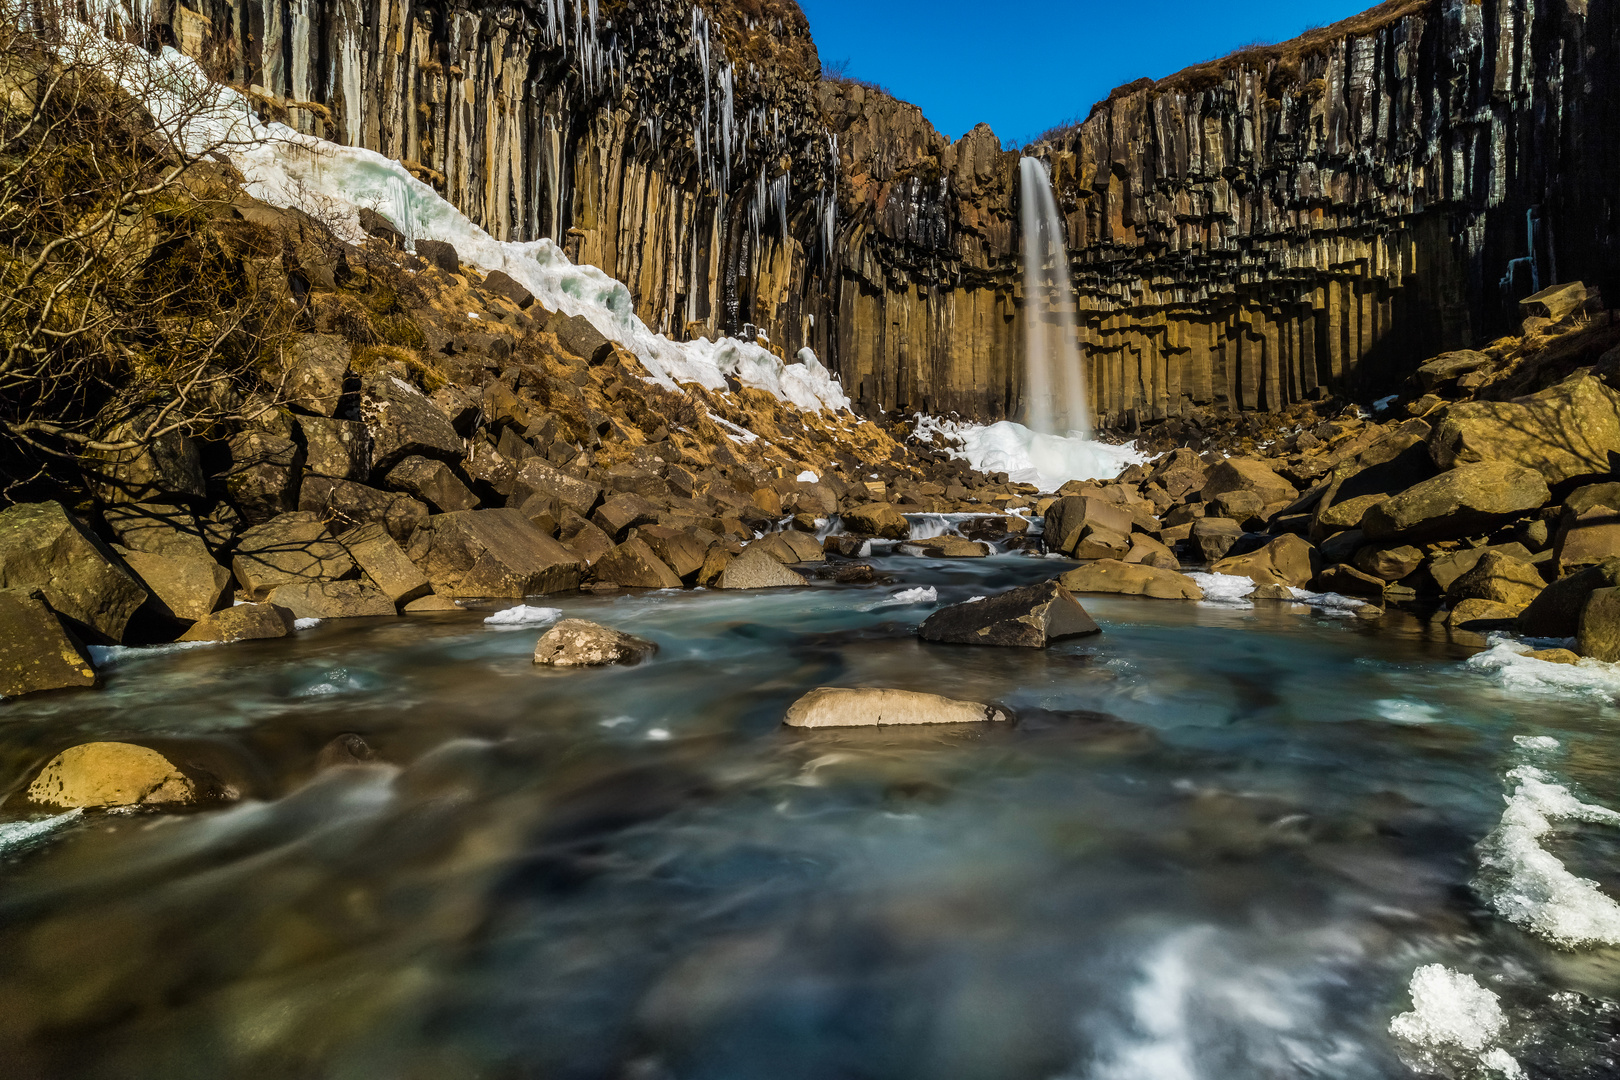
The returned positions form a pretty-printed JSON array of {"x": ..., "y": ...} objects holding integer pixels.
[
  {"x": 522, "y": 615},
  {"x": 18, "y": 835},
  {"x": 306, "y": 623},
  {"x": 1505, "y": 659},
  {"x": 286, "y": 168},
  {"x": 1232, "y": 591},
  {"x": 1536, "y": 742},
  {"x": 1028, "y": 457},
  {"x": 1451, "y": 1012},
  {"x": 926, "y": 594},
  {"x": 1527, "y": 885}
]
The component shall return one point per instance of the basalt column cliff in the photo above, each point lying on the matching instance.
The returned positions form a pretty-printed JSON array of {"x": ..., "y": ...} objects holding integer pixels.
[{"x": 1244, "y": 234}]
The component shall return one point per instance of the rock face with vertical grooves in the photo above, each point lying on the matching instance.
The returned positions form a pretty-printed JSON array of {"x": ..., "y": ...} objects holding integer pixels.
[{"x": 1242, "y": 234}]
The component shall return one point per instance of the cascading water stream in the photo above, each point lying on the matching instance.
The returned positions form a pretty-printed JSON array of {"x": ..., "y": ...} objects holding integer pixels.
[{"x": 1054, "y": 378}]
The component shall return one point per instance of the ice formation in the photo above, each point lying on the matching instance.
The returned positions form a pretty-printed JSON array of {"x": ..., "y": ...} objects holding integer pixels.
[
  {"x": 513, "y": 618},
  {"x": 1452, "y": 1012},
  {"x": 1029, "y": 457},
  {"x": 286, "y": 168},
  {"x": 1527, "y": 885},
  {"x": 15, "y": 835},
  {"x": 1506, "y": 659},
  {"x": 926, "y": 594}
]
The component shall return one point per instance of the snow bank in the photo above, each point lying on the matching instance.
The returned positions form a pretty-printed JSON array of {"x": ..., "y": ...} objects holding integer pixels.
[
  {"x": 514, "y": 618},
  {"x": 1527, "y": 885},
  {"x": 1028, "y": 457},
  {"x": 286, "y": 168},
  {"x": 1451, "y": 1011}
]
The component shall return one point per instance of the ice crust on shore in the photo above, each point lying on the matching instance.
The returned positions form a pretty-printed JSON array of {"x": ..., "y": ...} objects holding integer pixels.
[
  {"x": 1506, "y": 660},
  {"x": 1527, "y": 885},
  {"x": 1232, "y": 590},
  {"x": 286, "y": 168},
  {"x": 514, "y": 618},
  {"x": 1029, "y": 457}
]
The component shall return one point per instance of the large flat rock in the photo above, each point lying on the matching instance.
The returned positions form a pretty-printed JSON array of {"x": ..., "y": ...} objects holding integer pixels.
[
  {"x": 1030, "y": 617},
  {"x": 832, "y": 707}
]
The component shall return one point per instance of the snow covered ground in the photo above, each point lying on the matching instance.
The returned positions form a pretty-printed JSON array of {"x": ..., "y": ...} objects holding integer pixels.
[{"x": 1029, "y": 457}]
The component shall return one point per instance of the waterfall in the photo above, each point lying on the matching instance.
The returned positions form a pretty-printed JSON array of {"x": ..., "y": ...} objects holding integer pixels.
[{"x": 1054, "y": 379}]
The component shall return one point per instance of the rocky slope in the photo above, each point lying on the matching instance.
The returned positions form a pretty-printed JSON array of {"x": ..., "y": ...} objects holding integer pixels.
[{"x": 1255, "y": 232}]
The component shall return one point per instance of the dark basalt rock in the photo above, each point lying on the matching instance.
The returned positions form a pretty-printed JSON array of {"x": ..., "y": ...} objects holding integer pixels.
[{"x": 1031, "y": 617}]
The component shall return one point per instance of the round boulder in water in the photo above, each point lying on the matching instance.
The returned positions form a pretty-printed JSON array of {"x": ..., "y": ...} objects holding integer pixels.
[
  {"x": 111, "y": 774},
  {"x": 578, "y": 643},
  {"x": 829, "y": 706}
]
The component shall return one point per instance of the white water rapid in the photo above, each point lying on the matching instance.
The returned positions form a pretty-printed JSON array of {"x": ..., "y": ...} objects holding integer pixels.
[{"x": 1054, "y": 379}]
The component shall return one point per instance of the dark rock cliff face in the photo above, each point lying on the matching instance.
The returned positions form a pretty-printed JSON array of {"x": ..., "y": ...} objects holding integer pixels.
[{"x": 1243, "y": 235}]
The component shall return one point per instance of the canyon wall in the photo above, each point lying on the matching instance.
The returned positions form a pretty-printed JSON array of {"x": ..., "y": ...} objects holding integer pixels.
[{"x": 1257, "y": 231}]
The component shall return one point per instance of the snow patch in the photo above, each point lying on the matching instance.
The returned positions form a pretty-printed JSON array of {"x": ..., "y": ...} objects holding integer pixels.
[
  {"x": 305, "y": 624},
  {"x": 1029, "y": 457},
  {"x": 808, "y": 477},
  {"x": 513, "y": 618},
  {"x": 1527, "y": 885}
]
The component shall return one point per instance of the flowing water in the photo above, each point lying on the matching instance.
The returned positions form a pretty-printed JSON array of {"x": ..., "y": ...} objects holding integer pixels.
[
  {"x": 1054, "y": 378},
  {"x": 1216, "y": 844}
]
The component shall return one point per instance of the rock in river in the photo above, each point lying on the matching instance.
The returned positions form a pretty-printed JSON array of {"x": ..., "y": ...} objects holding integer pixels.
[
  {"x": 832, "y": 707},
  {"x": 1131, "y": 579},
  {"x": 578, "y": 643},
  {"x": 1031, "y": 617},
  {"x": 110, "y": 774}
]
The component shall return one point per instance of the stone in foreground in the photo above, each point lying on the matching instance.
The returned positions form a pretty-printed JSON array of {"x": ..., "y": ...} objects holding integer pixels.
[
  {"x": 579, "y": 643},
  {"x": 831, "y": 707},
  {"x": 1468, "y": 500},
  {"x": 1599, "y": 635},
  {"x": 1131, "y": 579},
  {"x": 756, "y": 569},
  {"x": 110, "y": 774},
  {"x": 1031, "y": 617},
  {"x": 36, "y": 651},
  {"x": 44, "y": 547},
  {"x": 1287, "y": 560}
]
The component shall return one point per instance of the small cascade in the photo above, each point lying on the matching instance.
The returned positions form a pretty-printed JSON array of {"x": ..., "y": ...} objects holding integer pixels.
[{"x": 1054, "y": 379}]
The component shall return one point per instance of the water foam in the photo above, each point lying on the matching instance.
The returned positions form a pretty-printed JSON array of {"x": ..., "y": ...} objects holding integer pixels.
[
  {"x": 286, "y": 168},
  {"x": 1527, "y": 885},
  {"x": 1029, "y": 457}
]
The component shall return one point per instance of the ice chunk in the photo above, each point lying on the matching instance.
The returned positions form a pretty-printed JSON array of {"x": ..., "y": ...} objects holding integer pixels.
[
  {"x": 305, "y": 624},
  {"x": 925, "y": 594},
  {"x": 513, "y": 618},
  {"x": 1449, "y": 1009},
  {"x": 1505, "y": 660},
  {"x": 1225, "y": 590},
  {"x": 808, "y": 477},
  {"x": 1527, "y": 885}
]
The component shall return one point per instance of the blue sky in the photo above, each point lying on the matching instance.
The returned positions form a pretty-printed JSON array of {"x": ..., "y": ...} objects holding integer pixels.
[{"x": 1023, "y": 67}]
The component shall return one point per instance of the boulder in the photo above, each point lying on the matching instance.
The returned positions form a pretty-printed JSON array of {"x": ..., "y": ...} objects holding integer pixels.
[
  {"x": 831, "y": 707},
  {"x": 1099, "y": 543},
  {"x": 1500, "y": 579},
  {"x": 804, "y": 547},
  {"x": 1030, "y": 617},
  {"x": 1288, "y": 560},
  {"x": 1585, "y": 498},
  {"x": 1599, "y": 634},
  {"x": 1554, "y": 302},
  {"x": 431, "y": 604},
  {"x": 1468, "y": 500},
  {"x": 1271, "y": 592},
  {"x": 877, "y": 519},
  {"x": 1213, "y": 537},
  {"x": 492, "y": 553},
  {"x": 504, "y": 285},
  {"x": 585, "y": 540},
  {"x": 332, "y": 600},
  {"x": 679, "y": 549},
  {"x": 166, "y": 468},
  {"x": 439, "y": 253},
  {"x": 1481, "y": 616},
  {"x": 776, "y": 546},
  {"x": 1397, "y": 461},
  {"x": 578, "y": 643},
  {"x": 1242, "y": 506},
  {"x": 1346, "y": 580},
  {"x": 846, "y": 545},
  {"x": 403, "y": 423},
  {"x": 951, "y": 547},
  {"x": 340, "y": 449},
  {"x": 158, "y": 528},
  {"x": 434, "y": 483},
  {"x": 244, "y": 622},
  {"x": 290, "y": 548},
  {"x": 1587, "y": 538},
  {"x": 189, "y": 586},
  {"x": 1389, "y": 562},
  {"x": 1181, "y": 472},
  {"x": 1447, "y": 568},
  {"x": 1247, "y": 474},
  {"x": 263, "y": 477},
  {"x": 1448, "y": 367},
  {"x": 618, "y": 515},
  {"x": 314, "y": 372},
  {"x": 385, "y": 564},
  {"x": 1131, "y": 579},
  {"x": 1554, "y": 656},
  {"x": 1556, "y": 610},
  {"x": 1567, "y": 431},
  {"x": 36, "y": 651},
  {"x": 1149, "y": 552},
  {"x": 111, "y": 774},
  {"x": 345, "y": 505},
  {"x": 756, "y": 569},
  {"x": 1070, "y": 519},
  {"x": 579, "y": 336},
  {"x": 44, "y": 548},
  {"x": 632, "y": 565}
]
